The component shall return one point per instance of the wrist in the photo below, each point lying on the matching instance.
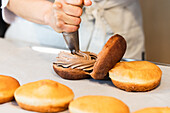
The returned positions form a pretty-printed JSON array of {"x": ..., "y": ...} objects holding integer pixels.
[{"x": 47, "y": 14}]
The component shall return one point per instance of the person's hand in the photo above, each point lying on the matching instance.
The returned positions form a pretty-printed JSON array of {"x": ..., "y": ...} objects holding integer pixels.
[{"x": 64, "y": 15}]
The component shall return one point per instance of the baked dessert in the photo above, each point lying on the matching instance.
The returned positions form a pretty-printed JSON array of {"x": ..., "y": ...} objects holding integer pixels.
[
  {"x": 44, "y": 96},
  {"x": 85, "y": 64},
  {"x": 154, "y": 110},
  {"x": 136, "y": 75},
  {"x": 111, "y": 53},
  {"x": 77, "y": 66},
  {"x": 97, "y": 104},
  {"x": 8, "y": 85}
]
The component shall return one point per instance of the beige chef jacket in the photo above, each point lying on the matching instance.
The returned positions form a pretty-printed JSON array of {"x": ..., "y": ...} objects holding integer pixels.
[{"x": 99, "y": 22}]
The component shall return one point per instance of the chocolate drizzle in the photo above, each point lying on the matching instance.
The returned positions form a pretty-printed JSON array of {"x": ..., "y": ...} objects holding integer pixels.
[{"x": 81, "y": 60}]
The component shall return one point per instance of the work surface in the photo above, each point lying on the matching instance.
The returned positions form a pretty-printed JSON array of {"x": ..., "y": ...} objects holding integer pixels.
[{"x": 27, "y": 65}]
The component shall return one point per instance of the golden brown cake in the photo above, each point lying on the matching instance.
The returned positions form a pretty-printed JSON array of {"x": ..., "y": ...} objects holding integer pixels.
[
  {"x": 86, "y": 64},
  {"x": 136, "y": 75},
  {"x": 154, "y": 110},
  {"x": 111, "y": 53},
  {"x": 97, "y": 104},
  {"x": 8, "y": 85},
  {"x": 44, "y": 96}
]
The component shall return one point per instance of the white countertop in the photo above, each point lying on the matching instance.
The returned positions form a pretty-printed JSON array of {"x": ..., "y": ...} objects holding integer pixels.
[{"x": 27, "y": 65}]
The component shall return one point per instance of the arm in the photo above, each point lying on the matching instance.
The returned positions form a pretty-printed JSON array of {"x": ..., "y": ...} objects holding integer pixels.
[
  {"x": 61, "y": 15},
  {"x": 32, "y": 10}
]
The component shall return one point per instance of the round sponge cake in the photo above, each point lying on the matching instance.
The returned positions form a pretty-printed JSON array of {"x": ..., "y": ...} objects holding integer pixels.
[
  {"x": 154, "y": 110},
  {"x": 135, "y": 75},
  {"x": 44, "y": 96},
  {"x": 8, "y": 85},
  {"x": 98, "y": 104}
]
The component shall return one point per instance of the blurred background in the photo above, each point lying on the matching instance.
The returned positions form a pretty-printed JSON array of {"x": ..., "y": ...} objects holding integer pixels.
[
  {"x": 3, "y": 25},
  {"x": 156, "y": 22}
]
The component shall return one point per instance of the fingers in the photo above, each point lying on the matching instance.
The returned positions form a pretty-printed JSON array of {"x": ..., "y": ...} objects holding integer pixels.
[
  {"x": 63, "y": 21},
  {"x": 67, "y": 18},
  {"x": 68, "y": 9},
  {"x": 73, "y": 7},
  {"x": 74, "y": 2},
  {"x": 79, "y": 2},
  {"x": 67, "y": 14},
  {"x": 62, "y": 27},
  {"x": 70, "y": 19},
  {"x": 87, "y": 2},
  {"x": 72, "y": 10},
  {"x": 70, "y": 28}
]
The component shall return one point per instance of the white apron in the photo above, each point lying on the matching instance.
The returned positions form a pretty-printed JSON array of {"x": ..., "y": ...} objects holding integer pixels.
[{"x": 99, "y": 22}]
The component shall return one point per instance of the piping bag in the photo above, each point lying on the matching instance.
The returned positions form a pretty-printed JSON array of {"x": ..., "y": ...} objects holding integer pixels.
[{"x": 72, "y": 41}]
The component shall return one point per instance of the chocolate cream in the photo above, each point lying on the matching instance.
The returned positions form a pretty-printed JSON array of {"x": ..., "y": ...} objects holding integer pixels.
[{"x": 81, "y": 60}]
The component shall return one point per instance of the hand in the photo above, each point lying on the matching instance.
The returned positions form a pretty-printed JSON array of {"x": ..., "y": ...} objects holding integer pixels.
[{"x": 64, "y": 15}]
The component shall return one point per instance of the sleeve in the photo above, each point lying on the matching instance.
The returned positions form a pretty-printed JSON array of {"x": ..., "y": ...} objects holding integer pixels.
[{"x": 7, "y": 15}]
